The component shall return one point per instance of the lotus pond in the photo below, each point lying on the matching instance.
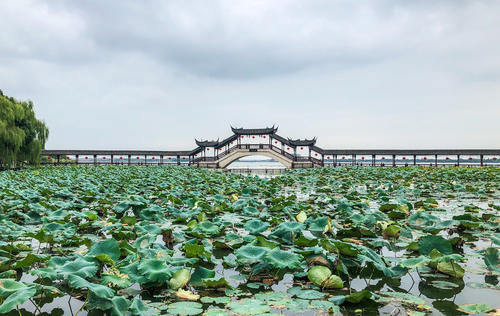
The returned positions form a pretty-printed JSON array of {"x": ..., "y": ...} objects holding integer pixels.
[{"x": 178, "y": 240}]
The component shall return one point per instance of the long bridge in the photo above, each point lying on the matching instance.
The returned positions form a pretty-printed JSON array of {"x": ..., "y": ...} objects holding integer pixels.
[{"x": 292, "y": 153}]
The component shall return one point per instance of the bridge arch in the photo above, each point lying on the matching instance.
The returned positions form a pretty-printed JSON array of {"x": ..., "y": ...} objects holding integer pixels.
[{"x": 235, "y": 155}]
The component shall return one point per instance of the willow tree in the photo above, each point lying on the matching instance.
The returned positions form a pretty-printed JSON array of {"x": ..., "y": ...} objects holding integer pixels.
[{"x": 22, "y": 135}]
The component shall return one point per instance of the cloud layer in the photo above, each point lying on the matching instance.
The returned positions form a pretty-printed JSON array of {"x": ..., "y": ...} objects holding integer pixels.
[{"x": 156, "y": 74}]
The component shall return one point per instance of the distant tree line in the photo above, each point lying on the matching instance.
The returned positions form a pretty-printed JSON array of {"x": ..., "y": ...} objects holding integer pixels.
[{"x": 22, "y": 135}]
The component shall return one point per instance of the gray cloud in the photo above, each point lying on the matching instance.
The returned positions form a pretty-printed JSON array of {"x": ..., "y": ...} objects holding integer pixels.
[{"x": 150, "y": 73}]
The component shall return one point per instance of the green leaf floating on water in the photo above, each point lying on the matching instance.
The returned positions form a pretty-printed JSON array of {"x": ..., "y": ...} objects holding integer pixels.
[
  {"x": 249, "y": 307},
  {"x": 475, "y": 308},
  {"x": 305, "y": 293},
  {"x": 185, "y": 308}
]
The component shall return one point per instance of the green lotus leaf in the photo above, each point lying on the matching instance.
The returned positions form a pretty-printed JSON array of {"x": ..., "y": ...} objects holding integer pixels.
[
  {"x": 305, "y": 294},
  {"x": 208, "y": 228},
  {"x": 179, "y": 279},
  {"x": 428, "y": 243},
  {"x": 9, "y": 286},
  {"x": 251, "y": 211},
  {"x": 30, "y": 260},
  {"x": 17, "y": 297},
  {"x": 108, "y": 247},
  {"x": 283, "y": 259},
  {"x": 249, "y": 254},
  {"x": 475, "y": 308},
  {"x": 318, "y": 274},
  {"x": 492, "y": 259},
  {"x": 319, "y": 224},
  {"x": 100, "y": 290},
  {"x": 115, "y": 281},
  {"x": 255, "y": 226},
  {"x": 155, "y": 270},
  {"x": 346, "y": 249},
  {"x": 325, "y": 306},
  {"x": 185, "y": 308},
  {"x": 387, "y": 297},
  {"x": 451, "y": 268},
  {"x": 79, "y": 267},
  {"x": 423, "y": 220},
  {"x": 413, "y": 263},
  {"x": 333, "y": 282},
  {"x": 215, "y": 300},
  {"x": 249, "y": 307},
  {"x": 120, "y": 305},
  {"x": 199, "y": 274},
  {"x": 216, "y": 312},
  {"x": 444, "y": 285},
  {"x": 215, "y": 283},
  {"x": 138, "y": 307},
  {"x": 196, "y": 251},
  {"x": 122, "y": 207},
  {"x": 357, "y": 297}
]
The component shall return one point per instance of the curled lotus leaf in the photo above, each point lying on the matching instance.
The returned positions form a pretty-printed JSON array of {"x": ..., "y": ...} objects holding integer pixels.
[
  {"x": 256, "y": 226},
  {"x": 108, "y": 247},
  {"x": 155, "y": 270},
  {"x": 333, "y": 282},
  {"x": 208, "y": 228},
  {"x": 318, "y": 274},
  {"x": 249, "y": 254},
  {"x": 179, "y": 279},
  {"x": 283, "y": 259}
]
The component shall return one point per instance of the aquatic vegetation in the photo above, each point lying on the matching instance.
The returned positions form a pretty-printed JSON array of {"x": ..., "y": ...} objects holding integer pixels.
[{"x": 179, "y": 240}]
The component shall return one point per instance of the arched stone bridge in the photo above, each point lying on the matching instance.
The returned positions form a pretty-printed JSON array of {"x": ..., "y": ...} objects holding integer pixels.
[{"x": 292, "y": 153}]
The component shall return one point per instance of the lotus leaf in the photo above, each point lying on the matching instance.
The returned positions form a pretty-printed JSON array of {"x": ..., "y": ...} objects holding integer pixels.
[
  {"x": 249, "y": 254},
  {"x": 492, "y": 259},
  {"x": 185, "y": 308},
  {"x": 155, "y": 270},
  {"x": 283, "y": 259},
  {"x": 431, "y": 242},
  {"x": 451, "y": 268},
  {"x": 319, "y": 274},
  {"x": 256, "y": 226},
  {"x": 249, "y": 307},
  {"x": 17, "y": 297},
  {"x": 179, "y": 279},
  {"x": 99, "y": 290}
]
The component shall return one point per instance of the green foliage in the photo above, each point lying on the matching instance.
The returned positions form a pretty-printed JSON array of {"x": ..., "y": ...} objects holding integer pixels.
[{"x": 22, "y": 135}]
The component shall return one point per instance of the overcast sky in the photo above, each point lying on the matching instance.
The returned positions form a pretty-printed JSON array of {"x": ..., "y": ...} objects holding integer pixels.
[{"x": 356, "y": 74}]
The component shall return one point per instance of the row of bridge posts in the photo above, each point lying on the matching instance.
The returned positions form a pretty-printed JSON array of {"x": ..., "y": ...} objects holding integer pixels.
[{"x": 58, "y": 159}]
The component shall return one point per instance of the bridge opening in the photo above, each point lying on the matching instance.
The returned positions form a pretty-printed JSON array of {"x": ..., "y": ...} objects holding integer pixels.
[{"x": 255, "y": 162}]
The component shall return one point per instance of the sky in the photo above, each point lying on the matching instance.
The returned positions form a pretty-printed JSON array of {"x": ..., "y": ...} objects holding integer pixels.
[{"x": 146, "y": 74}]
